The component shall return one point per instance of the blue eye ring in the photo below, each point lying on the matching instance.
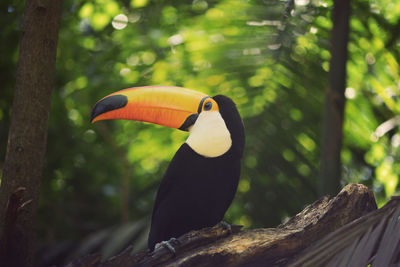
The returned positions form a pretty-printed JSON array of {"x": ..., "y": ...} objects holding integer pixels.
[{"x": 207, "y": 106}]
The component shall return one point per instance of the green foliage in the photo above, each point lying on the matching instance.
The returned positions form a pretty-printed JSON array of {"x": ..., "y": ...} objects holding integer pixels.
[
  {"x": 371, "y": 130},
  {"x": 271, "y": 57}
]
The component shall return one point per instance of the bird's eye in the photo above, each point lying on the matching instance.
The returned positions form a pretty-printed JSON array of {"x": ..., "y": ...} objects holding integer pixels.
[{"x": 207, "y": 106}]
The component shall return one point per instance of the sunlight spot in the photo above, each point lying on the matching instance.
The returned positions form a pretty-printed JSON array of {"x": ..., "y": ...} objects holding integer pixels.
[
  {"x": 313, "y": 30},
  {"x": 251, "y": 162},
  {"x": 370, "y": 59},
  {"x": 244, "y": 185},
  {"x": 214, "y": 14},
  {"x": 134, "y": 17},
  {"x": 255, "y": 81},
  {"x": 201, "y": 65},
  {"x": 301, "y": 2},
  {"x": 264, "y": 23},
  {"x": 111, "y": 8},
  {"x": 86, "y": 10},
  {"x": 138, "y": 3},
  {"x": 296, "y": 114},
  {"x": 303, "y": 169},
  {"x": 251, "y": 51},
  {"x": 148, "y": 57},
  {"x": 214, "y": 80},
  {"x": 288, "y": 155},
  {"x": 100, "y": 20},
  {"x": 175, "y": 39},
  {"x": 274, "y": 46},
  {"x": 120, "y": 21},
  {"x": 374, "y": 138},
  {"x": 395, "y": 140},
  {"x": 75, "y": 116},
  {"x": 124, "y": 71},
  {"x": 215, "y": 38},
  {"x": 350, "y": 93},
  {"x": 270, "y": 95},
  {"x": 322, "y": 3},
  {"x": 58, "y": 182},
  {"x": 132, "y": 60},
  {"x": 306, "y": 141},
  {"x": 89, "y": 136},
  {"x": 199, "y": 5},
  {"x": 325, "y": 66},
  {"x": 245, "y": 221}
]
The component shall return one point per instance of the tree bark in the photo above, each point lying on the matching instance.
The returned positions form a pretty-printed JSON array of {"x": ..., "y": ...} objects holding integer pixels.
[
  {"x": 373, "y": 239},
  {"x": 257, "y": 247},
  {"x": 28, "y": 131},
  {"x": 330, "y": 170}
]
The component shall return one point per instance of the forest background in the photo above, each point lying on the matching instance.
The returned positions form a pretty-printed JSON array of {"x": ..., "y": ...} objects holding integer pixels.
[{"x": 271, "y": 57}]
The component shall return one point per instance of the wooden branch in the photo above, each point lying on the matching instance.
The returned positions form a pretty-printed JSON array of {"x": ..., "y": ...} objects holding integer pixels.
[{"x": 256, "y": 247}]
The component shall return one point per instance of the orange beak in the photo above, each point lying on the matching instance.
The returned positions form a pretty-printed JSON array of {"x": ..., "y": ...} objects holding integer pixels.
[{"x": 169, "y": 106}]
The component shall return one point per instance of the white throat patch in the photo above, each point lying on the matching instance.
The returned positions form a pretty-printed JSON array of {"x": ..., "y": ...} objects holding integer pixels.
[{"x": 209, "y": 136}]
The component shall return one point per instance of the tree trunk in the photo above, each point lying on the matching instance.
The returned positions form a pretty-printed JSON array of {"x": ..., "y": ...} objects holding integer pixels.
[
  {"x": 28, "y": 131},
  {"x": 330, "y": 173}
]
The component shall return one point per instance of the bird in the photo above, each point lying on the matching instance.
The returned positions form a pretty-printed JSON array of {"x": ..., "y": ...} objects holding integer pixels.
[{"x": 201, "y": 180}]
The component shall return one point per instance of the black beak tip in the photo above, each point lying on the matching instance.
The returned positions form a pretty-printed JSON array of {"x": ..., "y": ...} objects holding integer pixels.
[
  {"x": 94, "y": 113},
  {"x": 189, "y": 122},
  {"x": 108, "y": 104}
]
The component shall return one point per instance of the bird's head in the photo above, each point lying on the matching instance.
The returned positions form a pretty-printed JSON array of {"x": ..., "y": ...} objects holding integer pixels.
[{"x": 214, "y": 123}]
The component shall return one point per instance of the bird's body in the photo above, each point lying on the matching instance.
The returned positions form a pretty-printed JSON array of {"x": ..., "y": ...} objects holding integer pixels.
[
  {"x": 194, "y": 193},
  {"x": 201, "y": 180},
  {"x": 196, "y": 190}
]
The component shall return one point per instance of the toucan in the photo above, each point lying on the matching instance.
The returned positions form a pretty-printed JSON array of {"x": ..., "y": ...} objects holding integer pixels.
[{"x": 201, "y": 180}]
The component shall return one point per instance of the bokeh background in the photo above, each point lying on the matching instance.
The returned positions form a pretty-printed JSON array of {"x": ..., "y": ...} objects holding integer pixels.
[{"x": 271, "y": 57}]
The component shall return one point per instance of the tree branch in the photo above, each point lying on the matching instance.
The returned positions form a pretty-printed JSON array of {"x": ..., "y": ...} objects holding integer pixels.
[{"x": 255, "y": 247}]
